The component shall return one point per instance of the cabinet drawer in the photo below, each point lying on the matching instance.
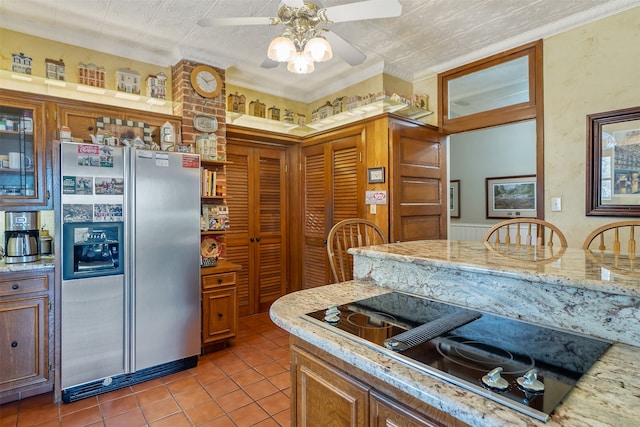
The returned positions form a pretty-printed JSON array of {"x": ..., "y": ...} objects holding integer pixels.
[
  {"x": 23, "y": 285},
  {"x": 215, "y": 280}
]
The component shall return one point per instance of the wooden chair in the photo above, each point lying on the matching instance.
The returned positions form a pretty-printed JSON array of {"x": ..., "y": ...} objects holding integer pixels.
[
  {"x": 346, "y": 234},
  {"x": 525, "y": 225},
  {"x": 611, "y": 253}
]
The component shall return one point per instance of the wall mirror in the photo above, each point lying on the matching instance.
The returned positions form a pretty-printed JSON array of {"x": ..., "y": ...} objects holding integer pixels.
[{"x": 613, "y": 163}]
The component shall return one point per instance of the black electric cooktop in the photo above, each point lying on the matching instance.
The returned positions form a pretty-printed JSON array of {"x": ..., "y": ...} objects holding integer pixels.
[{"x": 526, "y": 367}]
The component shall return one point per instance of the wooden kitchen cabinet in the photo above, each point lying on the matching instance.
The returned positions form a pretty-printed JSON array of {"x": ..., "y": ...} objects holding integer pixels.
[
  {"x": 81, "y": 118},
  {"x": 323, "y": 393},
  {"x": 23, "y": 186},
  {"x": 219, "y": 305},
  {"x": 325, "y": 396},
  {"x": 26, "y": 334}
]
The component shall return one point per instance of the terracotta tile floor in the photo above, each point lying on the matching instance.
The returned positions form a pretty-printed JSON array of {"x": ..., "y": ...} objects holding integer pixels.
[{"x": 246, "y": 384}]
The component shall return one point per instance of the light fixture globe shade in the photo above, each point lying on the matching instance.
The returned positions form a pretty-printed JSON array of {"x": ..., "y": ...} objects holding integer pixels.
[
  {"x": 301, "y": 64},
  {"x": 319, "y": 49},
  {"x": 281, "y": 49}
]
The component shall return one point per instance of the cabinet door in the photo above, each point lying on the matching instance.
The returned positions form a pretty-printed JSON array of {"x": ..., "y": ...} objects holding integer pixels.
[
  {"x": 325, "y": 396},
  {"x": 333, "y": 184},
  {"x": 387, "y": 413},
  {"x": 219, "y": 317},
  {"x": 81, "y": 119},
  {"x": 419, "y": 192},
  {"x": 23, "y": 344},
  {"x": 256, "y": 195},
  {"x": 23, "y": 154}
]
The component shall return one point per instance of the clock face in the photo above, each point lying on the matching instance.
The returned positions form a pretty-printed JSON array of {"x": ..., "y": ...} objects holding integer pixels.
[{"x": 206, "y": 81}]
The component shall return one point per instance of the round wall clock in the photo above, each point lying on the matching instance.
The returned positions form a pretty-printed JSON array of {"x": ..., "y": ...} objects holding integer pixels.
[{"x": 206, "y": 81}]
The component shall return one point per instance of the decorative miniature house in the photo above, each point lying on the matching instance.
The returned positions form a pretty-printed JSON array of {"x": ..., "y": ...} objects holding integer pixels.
[
  {"x": 302, "y": 119},
  {"x": 237, "y": 103},
  {"x": 340, "y": 105},
  {"x": 54, "y": 69},
  {"x": 325, "y": 111},
  {"x": 288, "y": 116},
  {"x": 353, "y": 102},
  {"x": 274, "y": 113},
  {"x": 128, "y": 80},
  {"x": 91, "y": 75},
  {"x": 257, "y": 108},
  {"x": 20, "y": 63},
  {"x": 157, "y": 86},
  {"x": 421, "y": 101}
]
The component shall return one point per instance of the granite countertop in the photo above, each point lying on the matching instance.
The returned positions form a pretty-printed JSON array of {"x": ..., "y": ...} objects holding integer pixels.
[
  {"x": 558, "y": 266},
  {"x": 607, "y": 395},
  {"x": 45, "y": 262}
]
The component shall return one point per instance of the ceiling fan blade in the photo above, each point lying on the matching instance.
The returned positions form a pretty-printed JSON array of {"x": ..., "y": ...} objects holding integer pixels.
[
  {"x": 344, "y": 49},
  {"x": 370, "y": 9},
  {"x": 294, "y": 3},
  {"x": 249, "y": 20},
  {"x": 268, "y": 63}
]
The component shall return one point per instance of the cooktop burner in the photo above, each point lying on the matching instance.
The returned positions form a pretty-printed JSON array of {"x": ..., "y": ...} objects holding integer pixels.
[{"x": 526, "y": 367}]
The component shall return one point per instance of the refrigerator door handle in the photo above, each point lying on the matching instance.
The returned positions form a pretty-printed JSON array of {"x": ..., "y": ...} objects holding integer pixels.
[{"x": 129, "y": 294}]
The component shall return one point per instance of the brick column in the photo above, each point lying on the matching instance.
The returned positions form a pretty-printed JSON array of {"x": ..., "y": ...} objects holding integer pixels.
[{"x": 187, "y": 103}]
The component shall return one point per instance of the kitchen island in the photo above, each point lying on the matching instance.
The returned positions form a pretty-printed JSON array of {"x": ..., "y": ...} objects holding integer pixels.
[{"x": 570, "y": 290}]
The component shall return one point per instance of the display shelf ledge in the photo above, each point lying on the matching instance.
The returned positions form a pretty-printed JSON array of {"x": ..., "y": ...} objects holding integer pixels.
[
  {"x": 70, "y": 90},
  {"x": 356, "y": 114}
]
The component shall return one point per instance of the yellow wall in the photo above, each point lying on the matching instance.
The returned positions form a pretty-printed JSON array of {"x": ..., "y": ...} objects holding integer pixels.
[
  {"x": 590, "y": 69},
  {"x": 40, "y": 49},
  {"x": 270, "y": 100}
]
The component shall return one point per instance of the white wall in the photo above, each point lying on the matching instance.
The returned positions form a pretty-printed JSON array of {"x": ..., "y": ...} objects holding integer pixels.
[{"x": 500, "y": 151}]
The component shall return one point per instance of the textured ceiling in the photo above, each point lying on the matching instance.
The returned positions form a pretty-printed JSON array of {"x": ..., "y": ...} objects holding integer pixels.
[{"x": 430, "y": 35}]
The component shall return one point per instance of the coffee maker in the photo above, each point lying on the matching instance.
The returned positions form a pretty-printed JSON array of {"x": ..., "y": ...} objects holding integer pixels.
[{"x": 22, "y": 237}]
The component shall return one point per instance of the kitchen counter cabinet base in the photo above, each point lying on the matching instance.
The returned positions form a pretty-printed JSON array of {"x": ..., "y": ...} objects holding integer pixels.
[
  {"x": 323, "y": 393},
  {"x": 26, "y": 334},
  {"x": 219, "y": 306}
]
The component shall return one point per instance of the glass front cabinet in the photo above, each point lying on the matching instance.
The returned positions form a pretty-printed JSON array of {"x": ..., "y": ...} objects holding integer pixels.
[{"x": 23, "y": 155}]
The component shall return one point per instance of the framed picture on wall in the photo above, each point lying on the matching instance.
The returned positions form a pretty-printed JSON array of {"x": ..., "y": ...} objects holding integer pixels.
[
  {"x": 376, "y": 175},
  {"x": 454, "y": 198},
  {"x": 511, "y": 197}
]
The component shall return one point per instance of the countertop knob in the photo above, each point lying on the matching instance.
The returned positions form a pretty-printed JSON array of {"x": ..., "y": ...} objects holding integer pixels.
[
  {"x": 530, "y": 382},
  {"x": 494, "y": 380}
]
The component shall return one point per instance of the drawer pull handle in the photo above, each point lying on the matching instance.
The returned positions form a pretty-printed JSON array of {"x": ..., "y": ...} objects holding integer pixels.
[
  {"x": 220, "y": 315},
  {"x": 219, "y": 280},
  {"x": 15, "y": 286},
  {"x": 14, "y": 344}
]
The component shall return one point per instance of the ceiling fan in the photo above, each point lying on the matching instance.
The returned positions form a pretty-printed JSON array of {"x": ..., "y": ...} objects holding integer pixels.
[{"x": 304, "y": 39}]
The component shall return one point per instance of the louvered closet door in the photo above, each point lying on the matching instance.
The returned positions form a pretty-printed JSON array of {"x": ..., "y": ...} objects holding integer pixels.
[
  {"x": 272, "y": 222},
  {"x": 333, "y": 186},
  {"x": 257, "y": 198},
  {"x": 237, "y": 240}
]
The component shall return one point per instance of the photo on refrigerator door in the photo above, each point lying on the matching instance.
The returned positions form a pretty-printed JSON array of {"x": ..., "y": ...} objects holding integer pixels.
[
  {"x": 109, "y": 186},
  {"x": 82, "y": 185},
  {"x": 107, "y": 212},
  {"x": 77, "y": 212}
]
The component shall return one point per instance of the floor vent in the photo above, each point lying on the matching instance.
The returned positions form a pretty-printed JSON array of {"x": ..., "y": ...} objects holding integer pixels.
[{"x": 105, "y": 385}]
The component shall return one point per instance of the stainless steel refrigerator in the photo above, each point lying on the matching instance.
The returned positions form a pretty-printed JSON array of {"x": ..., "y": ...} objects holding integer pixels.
[{"x": 130, "y": 266}]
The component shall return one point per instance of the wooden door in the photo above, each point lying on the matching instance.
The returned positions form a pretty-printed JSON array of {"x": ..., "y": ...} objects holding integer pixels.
[
  {"x": 333, "y": 185},
  {"x": 256, "y": 195},
  {"x": 419, "y": 190}
]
